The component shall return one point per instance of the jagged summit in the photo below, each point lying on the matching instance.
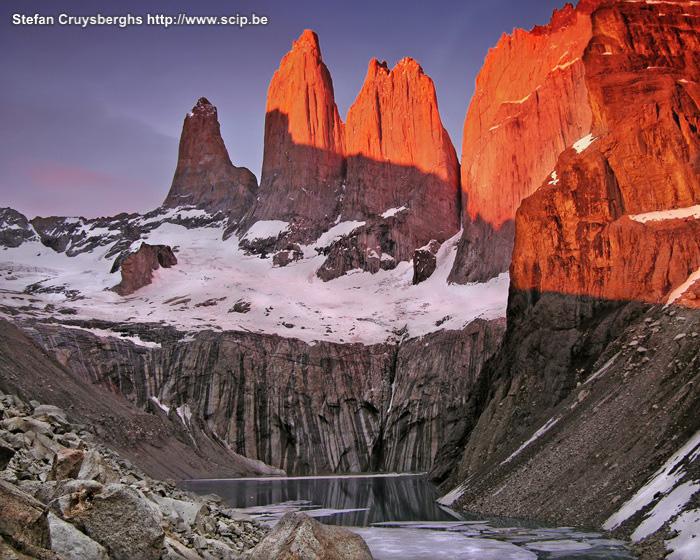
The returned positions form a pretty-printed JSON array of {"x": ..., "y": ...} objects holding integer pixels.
[
  {"x": 308, "y": 38},
  {"x": 205, "y": 176},
  {"x": 303, "y": 160}
]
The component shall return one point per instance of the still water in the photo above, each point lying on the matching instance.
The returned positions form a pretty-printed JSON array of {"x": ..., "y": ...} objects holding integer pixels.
[{"x": 398, "y": 517}]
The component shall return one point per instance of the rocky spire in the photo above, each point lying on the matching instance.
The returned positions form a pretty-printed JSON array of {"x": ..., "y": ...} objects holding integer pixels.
[
  {"x": 204, "y": 175},
  {"x": 399, "y": 154},
  {"x": 303, "y": 162}
]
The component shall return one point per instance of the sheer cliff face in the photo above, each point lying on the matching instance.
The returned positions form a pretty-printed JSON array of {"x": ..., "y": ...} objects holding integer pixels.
[
  {"x": 307, "y": 409},
  {"x": 592, "y": 231},
  {"x": 530, "y": 104},
  {"x": 303, "y": 163},
  {"x": 398, "y": 151},
  {"x": 609, "y": 234},
  {"x": 205, "y": 176}
]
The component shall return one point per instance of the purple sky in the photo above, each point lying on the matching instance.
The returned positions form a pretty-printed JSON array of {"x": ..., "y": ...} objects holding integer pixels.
[{"x": 91, "y": 117}]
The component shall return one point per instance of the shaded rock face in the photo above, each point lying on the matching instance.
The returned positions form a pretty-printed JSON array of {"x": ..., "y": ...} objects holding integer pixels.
[
  {"x": 530, "y": 104},
  {"x": 392, "y": 166},
  {"x": 614, "y": 397},
  {"x": 137, "y": 269},
  {"x": 162, "y": 444},
  {"x": 299, "y": 536},
  {"x": 590, "y": 361},
  {"x": 302, "y": 408},
  {"x": 205, "y": 176},
  {"x": 303, "y": 161},
  {"x": 425, "y": 262}
]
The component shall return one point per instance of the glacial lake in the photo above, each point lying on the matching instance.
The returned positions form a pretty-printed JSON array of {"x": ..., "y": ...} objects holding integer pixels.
[{"x": 399, "y": 518}]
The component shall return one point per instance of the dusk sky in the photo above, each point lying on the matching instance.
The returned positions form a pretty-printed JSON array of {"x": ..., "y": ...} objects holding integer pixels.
[{"x": 91, "y": 117}]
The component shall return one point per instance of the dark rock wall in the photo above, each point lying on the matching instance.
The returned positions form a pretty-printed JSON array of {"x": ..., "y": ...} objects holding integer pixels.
[{"x": 304, "y": 408}]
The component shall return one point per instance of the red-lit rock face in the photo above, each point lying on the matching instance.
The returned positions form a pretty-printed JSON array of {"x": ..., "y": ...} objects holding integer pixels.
[
  {"x": 303, "y": 162},
  {"x": 137, "y": 269},
  {"x": 402, "y": 172},
  {"x": 582, "y": 232},
  {"x": 399, "y": 154},
  {"x": 391, "y": 166},
  {"x": 530, "y": 104},
  {"x": 205, "y": 175}
]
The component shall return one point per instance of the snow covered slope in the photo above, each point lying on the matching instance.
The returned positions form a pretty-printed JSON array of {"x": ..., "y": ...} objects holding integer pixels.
[{"x": 215, "y": 285}]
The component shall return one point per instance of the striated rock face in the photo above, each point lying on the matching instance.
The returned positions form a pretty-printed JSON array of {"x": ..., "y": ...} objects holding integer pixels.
[
  {"x": 598, "y": 378},
  {"x": 137, "y": 269},
  {"x": 162, "y": 444},
  {"x": 530, "y": 104},
  {"x": 303, "y": 162},
  {"x": 205, "y": 176},
  {"x": 303, "y": 408}
]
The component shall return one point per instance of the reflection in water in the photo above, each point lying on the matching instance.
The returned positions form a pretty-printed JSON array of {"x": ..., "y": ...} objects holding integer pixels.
[
  {"x": 401, "y": 521},
  {"x": 383, "y": 498}
]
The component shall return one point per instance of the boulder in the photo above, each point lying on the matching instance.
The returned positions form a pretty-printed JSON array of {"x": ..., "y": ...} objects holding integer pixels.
[
  {"x": 425, "y": 262},
  {"x": 67, "y": 464},
  {"x": 24, "y": 425},
  {"x": 6, "y": 454},
  {"x": 94, "y": 467},
  {"x": 122, "y": 520},
  {"x": 182, "y": 515},
  {"x": 51, "y": 415},
  {"x": 74, "y": 545},
  {"x": 298, "y": 536},
  {"x": 23, "y": 518}
]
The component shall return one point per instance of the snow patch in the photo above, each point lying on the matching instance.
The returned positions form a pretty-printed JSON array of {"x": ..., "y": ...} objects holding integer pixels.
[
  {"x": 583, "y": 143},
  {"x": 452, "y": 496},
  {"x": 160, "y": 405},
  {"x": 674, "y": 214},
  {"x": 290, "y": 301},
  {"x": 393, "y": 211},
  {"x": 603, "y": 369},
  {"x": 680, "y": 290},
  {"x": 663, "y": 482},
  {"x": 104, "y": 333},
  {"x": 543, "y": 430},
  {"x": 684, "y": 545},
  {"x": 266, "y": 229},
  {"x": 667, "y": 508},
  {"x": 339, "y": 230}
]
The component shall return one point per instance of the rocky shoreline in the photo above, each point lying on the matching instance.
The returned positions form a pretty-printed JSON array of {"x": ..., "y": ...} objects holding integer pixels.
[{"x": 66, "y": 496}]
